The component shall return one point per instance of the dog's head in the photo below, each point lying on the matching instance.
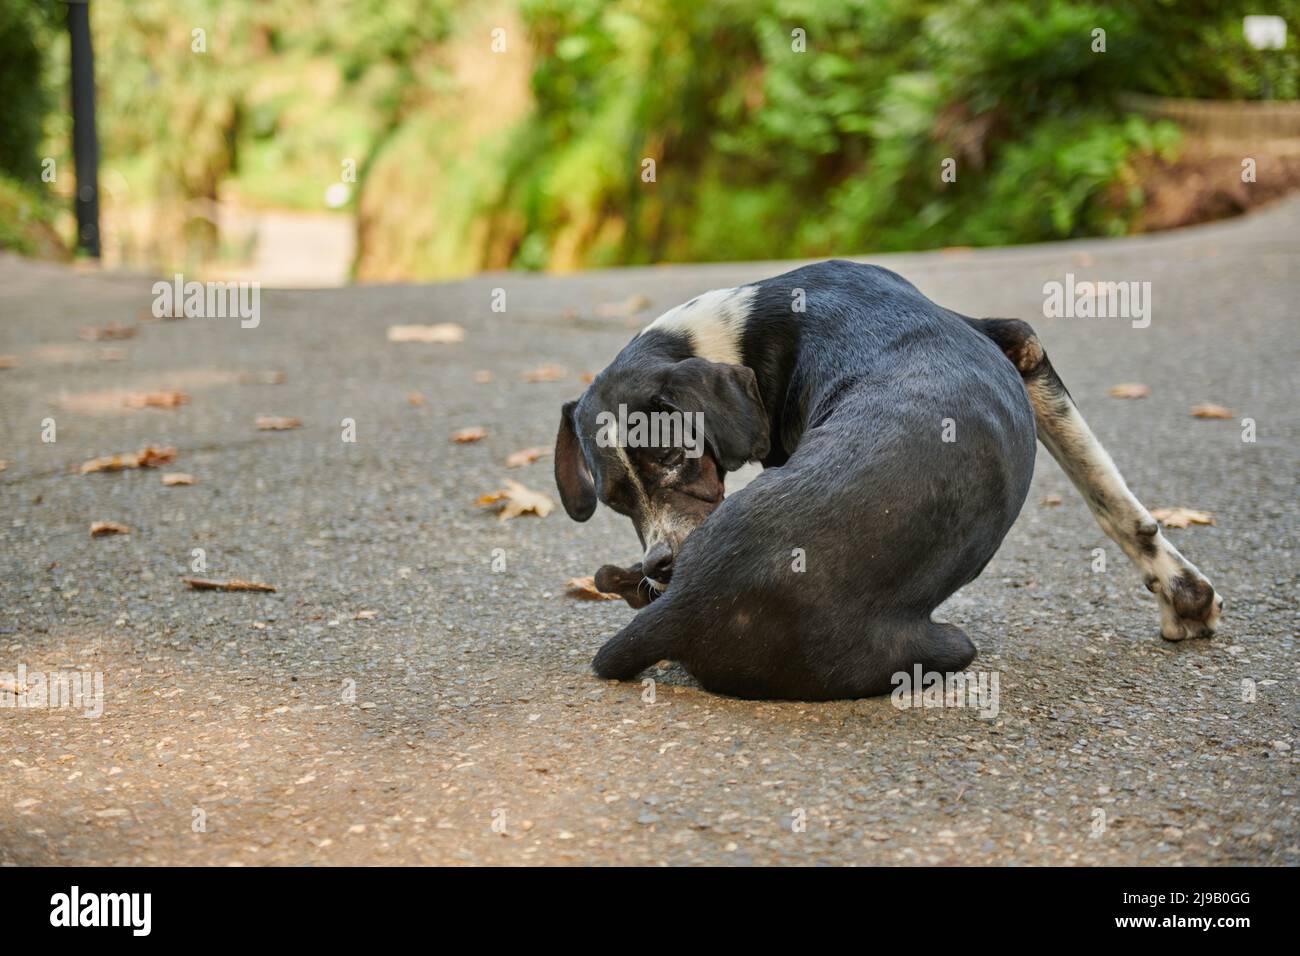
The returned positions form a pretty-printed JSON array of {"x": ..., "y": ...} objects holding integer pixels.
[{"x": 653, "y": 442}]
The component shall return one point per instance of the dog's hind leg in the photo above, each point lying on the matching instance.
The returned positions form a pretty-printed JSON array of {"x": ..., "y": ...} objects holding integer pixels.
[
  {"x": 1189, "y": 606},
  {"x": 647, "y": 639}
]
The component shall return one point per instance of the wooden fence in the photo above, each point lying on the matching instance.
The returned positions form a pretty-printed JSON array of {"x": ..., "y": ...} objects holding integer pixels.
[{"x": 1227, "y": 119}]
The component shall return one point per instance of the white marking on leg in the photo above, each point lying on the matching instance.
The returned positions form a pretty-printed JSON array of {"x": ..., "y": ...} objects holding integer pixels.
[
  {"x": 1066, "y": 435},
  {"x": 714, "y": 322}
]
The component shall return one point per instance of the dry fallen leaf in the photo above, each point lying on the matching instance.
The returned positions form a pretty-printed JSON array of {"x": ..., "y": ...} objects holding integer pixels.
[
  {"x": 527, "y": 456},
  {"x": 1130, "y": 390},
  {"x": 519, "y": 500},
  {"x": 415, "y": 398},
  {"x": 621, "y": 310},
  {"x": 8, "y": 361},
  {"x": 8, "y": 685},
  {"x": 274, "y": 423},
  {"x": 482, "y": 376},
  {"x": 466, "y": 436},
  {"x": 201, "y": 584},
  {"x": 273, "y": 377},
  {"x": 178, "y": 478},
  {"x": 98, "y": 333},
  {"x": 101, "y": 528},
  {"x": 1181, "y": 517},
  {"x": 546, "y": 373},
  {"x": 365, "y": 615},
  {"x": 588, "y": 378},
  {"x": 1051, "y": 500},
  {"x": 149, "y": 457},
  {"x": 443, "y": 333},
  {"x": 1210, "y": 411},
  {"x": 168, "y": 398},
  {"x": 584, "y": 589}
]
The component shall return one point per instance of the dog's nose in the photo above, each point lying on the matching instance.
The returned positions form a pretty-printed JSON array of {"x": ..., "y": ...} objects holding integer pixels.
[{"x": 658, "y": 562}]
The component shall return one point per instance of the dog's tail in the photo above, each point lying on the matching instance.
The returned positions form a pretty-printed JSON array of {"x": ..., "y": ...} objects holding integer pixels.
[{"x": 1189, "y": 606}]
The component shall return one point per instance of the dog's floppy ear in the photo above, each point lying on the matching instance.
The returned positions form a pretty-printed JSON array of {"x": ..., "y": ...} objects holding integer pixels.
[
  {"x": 735, "y": 423},
  {"x": 572, "y": 476}
]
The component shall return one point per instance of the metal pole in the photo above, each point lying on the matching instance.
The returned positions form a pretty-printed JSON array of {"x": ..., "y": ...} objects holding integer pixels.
[{"x": 85, "y": 143}]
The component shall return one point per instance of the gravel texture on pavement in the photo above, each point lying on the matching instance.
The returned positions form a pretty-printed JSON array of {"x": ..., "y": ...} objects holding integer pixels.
[{"x": 417, "y": 689}]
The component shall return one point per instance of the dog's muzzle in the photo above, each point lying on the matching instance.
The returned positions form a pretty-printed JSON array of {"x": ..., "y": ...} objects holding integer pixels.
[{"x": 657, "y": 565}]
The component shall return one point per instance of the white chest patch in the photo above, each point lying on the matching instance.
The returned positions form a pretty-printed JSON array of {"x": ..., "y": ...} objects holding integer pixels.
[{"x": 714, "y": 321}]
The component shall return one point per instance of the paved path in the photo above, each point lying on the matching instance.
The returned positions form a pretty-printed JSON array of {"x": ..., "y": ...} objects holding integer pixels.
[{"x": 231, "y": 733}]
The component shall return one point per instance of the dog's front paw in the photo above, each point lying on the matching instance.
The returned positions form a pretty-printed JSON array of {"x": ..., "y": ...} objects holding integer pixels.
[{"x": 1189, "y": 605}]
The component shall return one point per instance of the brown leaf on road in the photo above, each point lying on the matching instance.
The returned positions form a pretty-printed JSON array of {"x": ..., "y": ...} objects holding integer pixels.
[
  {"x": 8, "y": 361},
  {"x": 149, "y": 457},
  {"x": 202, "y": 584},
  {"x": 546, "y": 373},
  {"x": 275, "y": 423},
  {"x": 167, "y": 398},
  {"x": 630, "y": 306},
  {"x": 178, "y": 478},
  {"x": 467, "y": 436},
  {"x": 588, "y": 378},
  {"x": 518, "y": 500},
  {"x": 584, "y": 589},
  {"x": 9, "y": 685},
  {"x": 482, "y": 376},
  {"x": 100, "y": 333},
  {"x": 444, "y": 333},
  {"x": 101, "y": 529},
  {"x": 365, "y": 615},
  {"x": 1181, "y": 517},
  {"x": 415, "y": 398},
  {"x": 1051, "y": 500},
  {"x": 1130, "y": 390},
  {"x": 1210, "y": 411},
  {"x": 272, "y": 377},
  {"x": 527, "y": 456}
]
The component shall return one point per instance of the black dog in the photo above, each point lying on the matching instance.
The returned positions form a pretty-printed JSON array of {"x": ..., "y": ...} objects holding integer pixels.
[{"x": 898, "y": 442}]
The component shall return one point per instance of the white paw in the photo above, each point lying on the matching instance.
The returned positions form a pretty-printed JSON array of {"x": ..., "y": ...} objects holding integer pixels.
[{"x": 1189, "y": 605}]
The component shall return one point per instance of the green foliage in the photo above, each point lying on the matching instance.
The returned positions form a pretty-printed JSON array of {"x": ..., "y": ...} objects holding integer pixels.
[
  {"x": 26, "y": 30},
  {"x": 282, "y": 93},
  {"x": 26, "y": 217},
  {"x": 761, "y": 148},
  {"x": 764, "y": 151}
]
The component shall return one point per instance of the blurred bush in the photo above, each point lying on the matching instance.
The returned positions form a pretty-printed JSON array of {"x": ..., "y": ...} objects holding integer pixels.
[
  {"x": 281, "y": 96},
  {"x": 27, "y": 213},
  {"x": 777, "y": 128},
  {"x": 763, "y": 151}
]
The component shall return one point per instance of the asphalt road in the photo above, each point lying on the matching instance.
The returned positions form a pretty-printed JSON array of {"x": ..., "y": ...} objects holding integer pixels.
[{"x": 459, "y": 722}]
